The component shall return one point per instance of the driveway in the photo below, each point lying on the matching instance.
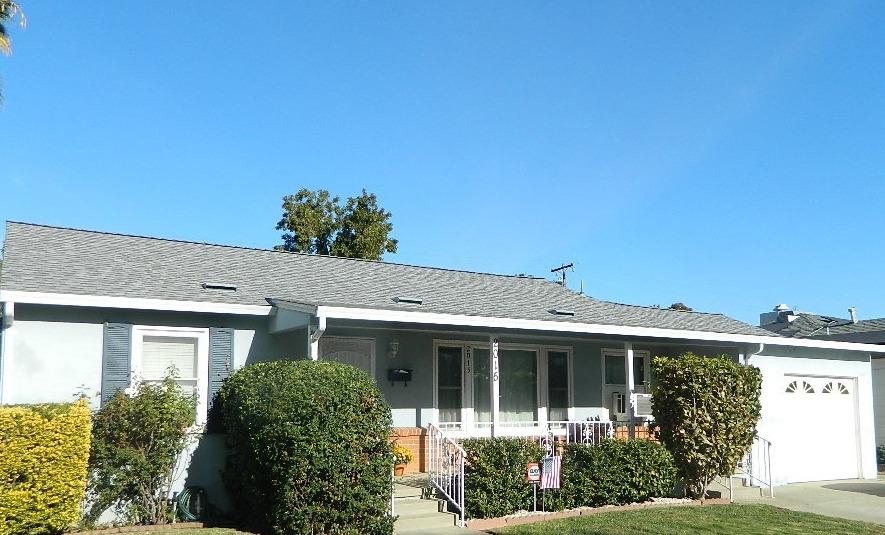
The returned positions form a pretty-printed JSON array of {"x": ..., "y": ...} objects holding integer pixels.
[{"x": 855, "y": 499}]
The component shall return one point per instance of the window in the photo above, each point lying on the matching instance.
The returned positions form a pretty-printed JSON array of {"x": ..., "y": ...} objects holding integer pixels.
[
  {"x": 159, "y": 354},
  {"x": 557, "y": 385},
  {"x": 615, "y": 367},
  {"x": 482, "y": 387},
  {"x": 449, "y": 383},
  {"x": 157, "y": 349},
  {"x": 519, "y": 385},
  {"x": 793, "y": 387},
  {"x": 831, "y": 388}
]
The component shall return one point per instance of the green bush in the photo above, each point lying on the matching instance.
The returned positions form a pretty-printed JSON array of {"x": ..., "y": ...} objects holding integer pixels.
[
  {"x": 706, "y": 410},
  {"x": 615, "y": 472},
  {"x": 136, "y": 443},
  {"x": 494, "y": 478},
  {"x": 43, "y": 454},
  {"x": 309, "y": 449}
]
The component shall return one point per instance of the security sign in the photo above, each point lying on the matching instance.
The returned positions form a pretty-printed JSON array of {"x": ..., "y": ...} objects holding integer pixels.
[{"x": 532, "y": 473}]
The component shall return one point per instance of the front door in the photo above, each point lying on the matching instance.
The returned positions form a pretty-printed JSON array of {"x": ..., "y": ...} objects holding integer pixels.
[
  {"x": 614, "y": 389},
  {"x": 357, "y": 352}
]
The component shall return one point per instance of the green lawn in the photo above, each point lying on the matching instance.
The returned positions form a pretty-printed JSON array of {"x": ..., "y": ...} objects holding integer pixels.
[{"x": 720, "y": 519}]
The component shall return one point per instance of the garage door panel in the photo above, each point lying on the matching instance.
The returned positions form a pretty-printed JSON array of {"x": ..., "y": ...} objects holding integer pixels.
[{"x": 819, "y": 439}]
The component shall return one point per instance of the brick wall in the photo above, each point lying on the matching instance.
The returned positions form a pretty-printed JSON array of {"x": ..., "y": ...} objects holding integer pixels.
[{"x": 415, "y": 439}]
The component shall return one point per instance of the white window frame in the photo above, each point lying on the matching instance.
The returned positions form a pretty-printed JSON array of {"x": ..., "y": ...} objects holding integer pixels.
[
  {"x": 467, "y": 366},
  {"x": 638, "y": 353},
  {"x": 139, "y": 332}
]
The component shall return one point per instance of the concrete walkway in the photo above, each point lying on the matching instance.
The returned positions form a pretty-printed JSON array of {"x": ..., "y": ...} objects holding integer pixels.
[{"x": 854, "y": 499}]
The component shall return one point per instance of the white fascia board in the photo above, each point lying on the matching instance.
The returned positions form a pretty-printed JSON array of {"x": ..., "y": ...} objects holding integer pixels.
[
  {"x": 405, "y": 316},
  {"x": 100, "y": 301}
]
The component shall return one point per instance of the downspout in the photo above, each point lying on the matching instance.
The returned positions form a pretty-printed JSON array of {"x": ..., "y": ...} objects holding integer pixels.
[
  {"x": 755, "y": 352},
  {"x": 313, "y": 338}
]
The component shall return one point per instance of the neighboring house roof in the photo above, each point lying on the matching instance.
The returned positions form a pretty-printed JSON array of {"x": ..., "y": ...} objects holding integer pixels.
[
  {"x": 807, "y": 325},
  {"x": 68, "y": 261}
]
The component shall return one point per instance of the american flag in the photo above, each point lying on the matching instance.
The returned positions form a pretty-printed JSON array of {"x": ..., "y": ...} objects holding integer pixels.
[{"x": 550, "y": 472}]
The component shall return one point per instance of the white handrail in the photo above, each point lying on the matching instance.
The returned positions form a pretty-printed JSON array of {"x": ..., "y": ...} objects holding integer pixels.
[
  {"x": 446, "y": 468},
  {"x": 756, "y": 465}
]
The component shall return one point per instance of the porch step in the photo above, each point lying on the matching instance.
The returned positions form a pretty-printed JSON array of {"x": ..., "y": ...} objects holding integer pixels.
[
  {"x": 431, "y": 520},
  {"x": 415, "y": 512},
  {"x": 406, "y": 491}
]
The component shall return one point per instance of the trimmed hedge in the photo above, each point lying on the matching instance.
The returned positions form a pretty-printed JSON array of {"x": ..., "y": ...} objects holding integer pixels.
[
  {"x": 309, "y": 449},
  {"x": 44, "y": 450},
  {"x": 616, "y": 472},
  {"x": 494, "y": 477},
  {"x": 613, "y": 472}
]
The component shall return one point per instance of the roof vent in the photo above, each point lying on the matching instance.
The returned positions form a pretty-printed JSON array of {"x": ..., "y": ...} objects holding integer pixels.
[
  {"x": 219, "y": 286},
  {"x": 561, "y": 312},
  {"x": 409, "y": 300}
]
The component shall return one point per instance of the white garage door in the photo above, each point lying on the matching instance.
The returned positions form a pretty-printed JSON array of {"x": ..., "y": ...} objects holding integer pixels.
[{"x": 819, "y": 439}]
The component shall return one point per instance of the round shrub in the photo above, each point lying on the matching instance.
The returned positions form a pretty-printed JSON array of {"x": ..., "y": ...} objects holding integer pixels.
[
  {"x": 494, "y": 478},
  {"x": 308, "y": 448}
]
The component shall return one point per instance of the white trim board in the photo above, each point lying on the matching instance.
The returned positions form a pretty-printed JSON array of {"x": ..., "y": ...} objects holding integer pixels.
[
  {"x": 135, "y": 303},
  {"x": 371, "y": 314}
]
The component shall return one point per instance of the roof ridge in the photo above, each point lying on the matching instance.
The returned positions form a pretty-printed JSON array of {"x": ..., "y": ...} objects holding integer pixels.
[
  {"x": 243, "y": 247},
  {"x": 650, "y": 307}
]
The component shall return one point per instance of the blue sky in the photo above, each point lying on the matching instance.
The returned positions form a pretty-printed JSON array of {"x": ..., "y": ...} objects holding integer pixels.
[{"x": 730, "y": 157}]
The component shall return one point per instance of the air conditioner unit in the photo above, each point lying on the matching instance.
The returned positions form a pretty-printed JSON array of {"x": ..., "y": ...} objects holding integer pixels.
[{"x": 641, "y": 405}]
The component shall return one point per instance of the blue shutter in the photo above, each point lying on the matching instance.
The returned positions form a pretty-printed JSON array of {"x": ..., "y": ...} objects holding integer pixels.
[
  {"x": 116, "y": 363},
  {"x": 221, "y": 364}
]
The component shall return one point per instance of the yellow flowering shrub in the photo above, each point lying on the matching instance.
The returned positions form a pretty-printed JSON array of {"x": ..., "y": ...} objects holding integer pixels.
[
  {"x": 402, "y": 455},
  {"x": 44, "y": 451}
]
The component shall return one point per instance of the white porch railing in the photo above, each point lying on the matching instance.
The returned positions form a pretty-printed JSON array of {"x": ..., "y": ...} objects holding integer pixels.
[
  {"x": 585, "y": 432},
  {"x": 445, "y": 467},
  {"x": 755, "y": 467}
]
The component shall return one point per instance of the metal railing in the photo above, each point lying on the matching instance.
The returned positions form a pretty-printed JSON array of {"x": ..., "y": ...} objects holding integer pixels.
[
  {"x": 755, "y": 467},
  {"x": 445, "y": 467},
  {"x": 567, "y": 432}
]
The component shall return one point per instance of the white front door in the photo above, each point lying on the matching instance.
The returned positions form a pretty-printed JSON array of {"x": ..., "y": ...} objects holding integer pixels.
[
  {"x": 819, "y": 437},
  {"x": 357, "y": 352}
]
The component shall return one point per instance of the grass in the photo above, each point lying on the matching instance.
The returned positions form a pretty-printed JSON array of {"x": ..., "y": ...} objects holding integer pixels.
[
  {"x": 196, "y": 531},
  {"x": 719, "y": 519}
]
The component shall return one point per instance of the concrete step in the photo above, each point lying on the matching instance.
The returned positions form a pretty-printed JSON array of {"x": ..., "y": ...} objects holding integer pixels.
[
  {"x": 416, "y": 506},
  {"x": 406, "y": 491},
  {"x": 424, "y": 521}
]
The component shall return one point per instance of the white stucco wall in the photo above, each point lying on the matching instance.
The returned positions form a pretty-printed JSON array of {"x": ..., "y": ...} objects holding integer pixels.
[
  {"x": 777, "y": 362},
  {"x": 879, "y": 399}
]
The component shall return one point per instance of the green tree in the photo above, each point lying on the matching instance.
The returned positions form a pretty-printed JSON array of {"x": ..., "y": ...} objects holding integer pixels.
[
  {"x": 315, "y": 222},
  {"x": 706, "y": 410},
  {"x": 9, "y": 12}
]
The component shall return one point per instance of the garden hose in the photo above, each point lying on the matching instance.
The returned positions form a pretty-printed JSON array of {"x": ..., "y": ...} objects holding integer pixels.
[{"x": 191, "y": 504}]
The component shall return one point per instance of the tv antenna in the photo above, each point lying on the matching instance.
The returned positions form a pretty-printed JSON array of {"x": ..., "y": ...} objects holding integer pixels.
[{"x": 561, "y": 272}]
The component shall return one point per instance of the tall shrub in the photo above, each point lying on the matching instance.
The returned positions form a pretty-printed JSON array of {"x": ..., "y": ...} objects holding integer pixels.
[
  {"x": 136, "y": 443},
  {"x": 43, "y": 454},
  {"x": 706, "y": 410},
  {"x": 309, "y": 448},
  {"x": 494, "y": 479}
]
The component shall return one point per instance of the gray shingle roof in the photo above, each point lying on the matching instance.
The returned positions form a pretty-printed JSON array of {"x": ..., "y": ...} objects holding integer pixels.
[
  {"x": 815, "y": 326},
  {"x": 60, "y": 260}
]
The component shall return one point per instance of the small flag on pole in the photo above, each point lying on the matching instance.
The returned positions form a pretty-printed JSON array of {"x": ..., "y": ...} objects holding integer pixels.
[{"x": 550, "y": 472}]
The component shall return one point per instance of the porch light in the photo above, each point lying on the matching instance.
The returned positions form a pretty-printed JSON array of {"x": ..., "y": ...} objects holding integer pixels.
[{"x": 392, "y": 349}]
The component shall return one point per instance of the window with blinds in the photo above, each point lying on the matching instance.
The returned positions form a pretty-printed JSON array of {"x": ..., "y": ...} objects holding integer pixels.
[{"x": 159, "y": 354}]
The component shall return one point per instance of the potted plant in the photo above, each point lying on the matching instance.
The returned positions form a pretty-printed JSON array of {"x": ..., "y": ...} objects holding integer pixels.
[{"x": 401, "y": 457}]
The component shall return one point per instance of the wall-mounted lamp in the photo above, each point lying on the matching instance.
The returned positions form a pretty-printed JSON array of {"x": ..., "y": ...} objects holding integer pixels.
[{"x": 392, "y": 349}]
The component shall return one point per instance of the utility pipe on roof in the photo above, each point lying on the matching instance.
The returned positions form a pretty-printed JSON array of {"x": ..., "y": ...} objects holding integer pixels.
[{"x": 314, "y": 338}]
